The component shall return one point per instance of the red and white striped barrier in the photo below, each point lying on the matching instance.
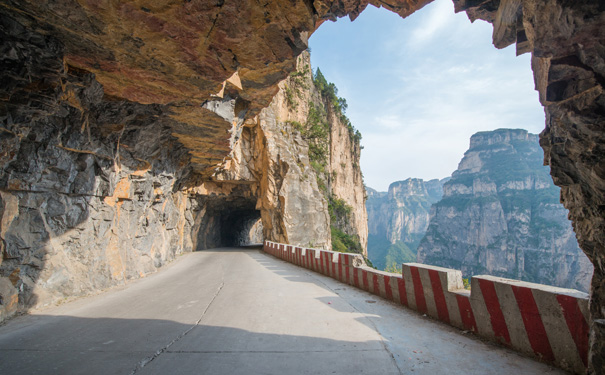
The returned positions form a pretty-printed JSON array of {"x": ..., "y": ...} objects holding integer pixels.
[{"x": 547, "y": 322}]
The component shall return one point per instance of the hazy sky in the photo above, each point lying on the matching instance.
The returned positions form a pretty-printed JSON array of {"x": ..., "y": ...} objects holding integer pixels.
[{"x": 418, "y": 88}]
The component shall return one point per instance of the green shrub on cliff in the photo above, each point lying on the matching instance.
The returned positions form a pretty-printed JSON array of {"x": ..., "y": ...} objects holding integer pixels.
[
  {"x": 329, "y": 93},
  {"x": 345, "y": 243}
]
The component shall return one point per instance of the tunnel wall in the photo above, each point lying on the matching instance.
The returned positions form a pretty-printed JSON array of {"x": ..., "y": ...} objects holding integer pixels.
[{"x": 548, "y": 323}]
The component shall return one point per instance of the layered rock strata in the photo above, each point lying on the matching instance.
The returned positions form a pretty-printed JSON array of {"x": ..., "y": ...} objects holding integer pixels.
[
  {"x": 500, "y": 215},
  {"x": 178, "y": 54}
]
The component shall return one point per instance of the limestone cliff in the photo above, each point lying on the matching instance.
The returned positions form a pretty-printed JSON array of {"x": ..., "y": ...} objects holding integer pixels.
[
  {"x": 500, "y": 215},
  {"x": 178, "y": 57},
  {"x": 306, "y": 158},
  {"x": 398, "y": 220}
]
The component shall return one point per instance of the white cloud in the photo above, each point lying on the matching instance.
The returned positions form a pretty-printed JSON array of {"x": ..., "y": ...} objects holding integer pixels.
[{"x": 438, "y": 18}]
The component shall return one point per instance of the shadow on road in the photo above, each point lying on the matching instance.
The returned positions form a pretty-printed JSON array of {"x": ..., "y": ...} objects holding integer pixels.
[{"x": 46, "y": 344}]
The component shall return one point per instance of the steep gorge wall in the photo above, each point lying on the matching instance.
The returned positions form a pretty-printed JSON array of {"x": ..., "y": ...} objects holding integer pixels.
[
  {"x": 398, "y": 219},
  {"x": 346, "y": 180},
  {"x": 500, "y": 215},
  {"x": 178, "y": 54},
  {"x": 296, "y": 187}
]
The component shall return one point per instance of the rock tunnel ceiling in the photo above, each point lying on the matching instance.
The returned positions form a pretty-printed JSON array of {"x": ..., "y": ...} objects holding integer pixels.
[{"x": 159, "y": 77}]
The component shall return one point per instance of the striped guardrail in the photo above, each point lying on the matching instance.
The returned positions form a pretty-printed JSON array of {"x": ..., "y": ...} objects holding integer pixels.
[{"x": 546, "y": 322}]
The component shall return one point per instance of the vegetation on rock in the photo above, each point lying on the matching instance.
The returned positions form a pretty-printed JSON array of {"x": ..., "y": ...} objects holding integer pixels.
[{"x": 323, "y": 120}]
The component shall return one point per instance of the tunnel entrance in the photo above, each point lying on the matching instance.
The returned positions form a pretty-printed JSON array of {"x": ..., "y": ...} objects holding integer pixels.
[{"x": 228, "y": 221}]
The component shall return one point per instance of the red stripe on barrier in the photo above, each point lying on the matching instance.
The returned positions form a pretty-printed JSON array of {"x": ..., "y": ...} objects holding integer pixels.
[
  {"x": 533, "y": 322},
  {"x": 493, "y": 308},
  {"x": 366, "y": 284},
  {"x": 375, "y": 284},
  {"x": 466, "y": 313},
  {"x": 577, "y": 325},
  {"x": 418, "y": 290},
  {"x": 403, "y": 294},
  {"x": 439, "y": 296},
  {"x": 340, "y": 268},
  {"x": 387, "y": 287},
  {"x": 355, "y": 277}
]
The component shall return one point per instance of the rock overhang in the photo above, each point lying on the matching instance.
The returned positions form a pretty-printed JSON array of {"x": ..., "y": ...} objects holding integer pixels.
[{"x": 177, "y": 55}]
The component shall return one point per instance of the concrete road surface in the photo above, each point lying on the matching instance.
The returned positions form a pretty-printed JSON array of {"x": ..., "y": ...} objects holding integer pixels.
[{"x": 241, "y": 311}]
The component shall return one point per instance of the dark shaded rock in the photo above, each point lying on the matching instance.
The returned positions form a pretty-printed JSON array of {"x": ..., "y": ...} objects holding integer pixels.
[{"x": 158, "y": 63}]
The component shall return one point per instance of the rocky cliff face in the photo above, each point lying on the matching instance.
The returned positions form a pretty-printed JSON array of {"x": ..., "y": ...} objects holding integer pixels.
[
  {"x": 398, "y": 220},
  {"x": 306, "y": 159},
  {"x": 500, "y": 215},
  {"x": 180, "y": 58},
  {"x": 95, "y": 191}
]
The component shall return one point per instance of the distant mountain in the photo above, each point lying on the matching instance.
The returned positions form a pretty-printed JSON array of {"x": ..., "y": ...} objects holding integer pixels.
[
  {"x": 398, "y": 220},
  {"x": 500, "y": 215}
]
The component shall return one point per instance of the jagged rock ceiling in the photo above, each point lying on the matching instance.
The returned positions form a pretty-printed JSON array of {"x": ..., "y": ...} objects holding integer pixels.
[{"x": 181, "y": 54}]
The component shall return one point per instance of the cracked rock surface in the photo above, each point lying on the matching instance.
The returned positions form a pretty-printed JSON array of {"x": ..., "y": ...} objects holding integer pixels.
[{"x": 159, "y": 62}]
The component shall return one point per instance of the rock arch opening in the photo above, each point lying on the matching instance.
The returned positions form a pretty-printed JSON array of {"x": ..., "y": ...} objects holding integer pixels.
[
  {"x": 178, "y": 58},
  {"x": 227, "y": 222},
  {"x": 442, "y": 82}
]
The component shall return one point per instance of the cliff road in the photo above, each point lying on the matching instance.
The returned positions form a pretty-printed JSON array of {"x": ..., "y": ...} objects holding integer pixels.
[
  {"x": 243, "y": 311},
  {"x": 138, "y": 135}
]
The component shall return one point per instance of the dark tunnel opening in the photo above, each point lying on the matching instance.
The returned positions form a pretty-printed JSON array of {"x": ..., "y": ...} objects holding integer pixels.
[{"x": 228, "y": 222}]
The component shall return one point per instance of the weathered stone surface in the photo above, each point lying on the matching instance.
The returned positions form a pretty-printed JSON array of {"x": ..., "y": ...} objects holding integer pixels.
[
  {"x": 346, "y": 180},
  {"x": 500, "y": 215},
  {"x": 175, "y": 55},
  {"x": 272, "y": 151},
  {"x": 95, "y": 190},
  {"x": 90, "y": 186}
]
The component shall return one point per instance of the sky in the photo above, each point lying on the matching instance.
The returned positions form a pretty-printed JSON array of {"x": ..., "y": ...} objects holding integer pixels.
[{"x": 418, "y": 88}]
